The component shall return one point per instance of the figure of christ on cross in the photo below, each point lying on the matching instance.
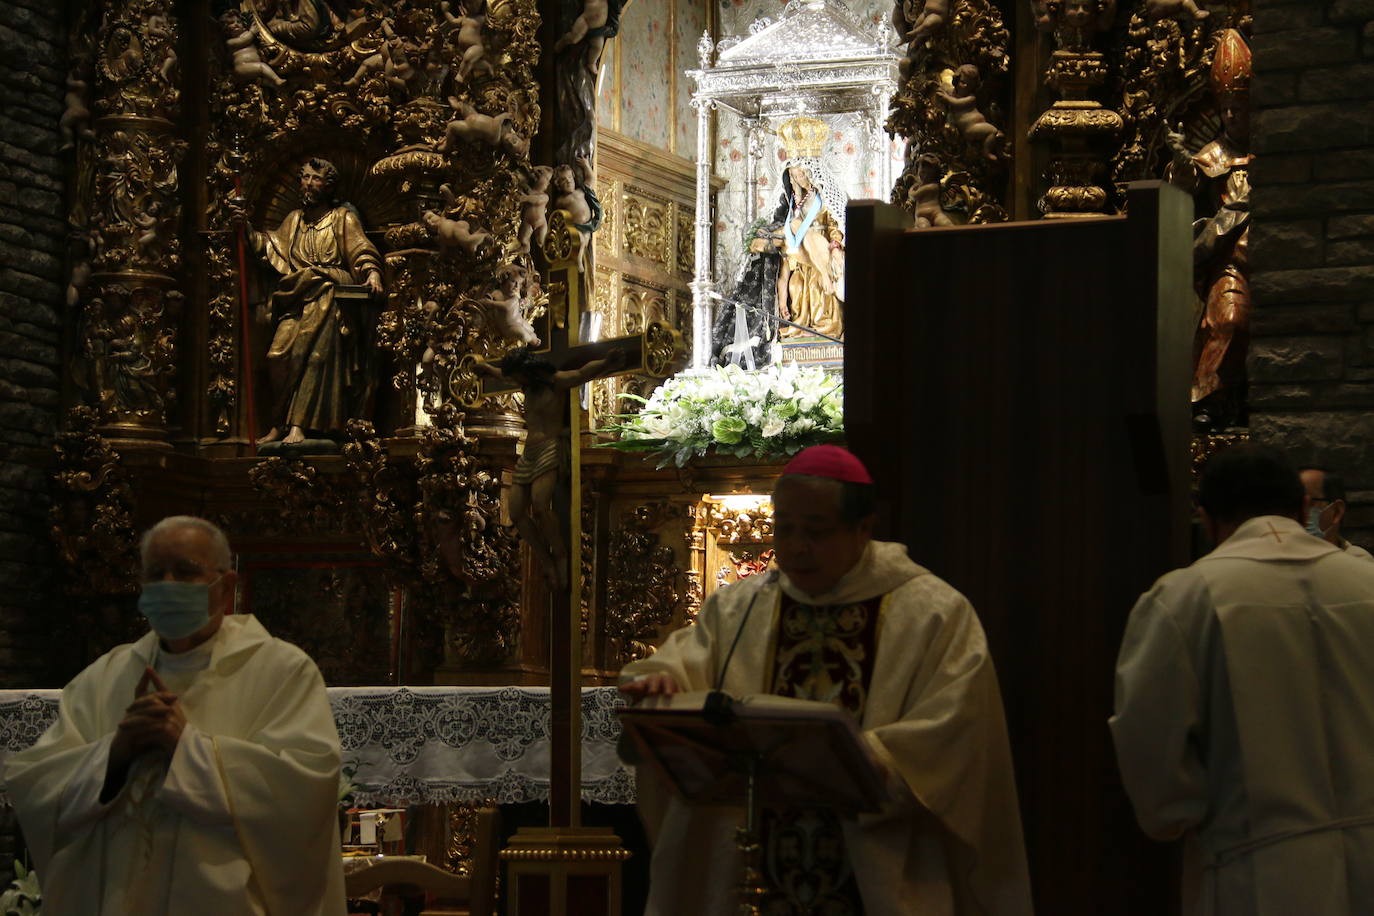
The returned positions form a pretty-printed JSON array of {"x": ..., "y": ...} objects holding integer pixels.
[{"x": 545, "y": 388}]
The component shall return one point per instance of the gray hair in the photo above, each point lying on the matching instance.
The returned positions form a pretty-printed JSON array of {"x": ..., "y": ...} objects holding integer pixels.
[{"x": 219, "y": 544}]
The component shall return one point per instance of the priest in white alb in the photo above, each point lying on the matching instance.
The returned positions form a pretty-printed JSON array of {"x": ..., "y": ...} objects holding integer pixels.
[
  {"x": 1245, "y": 705},
  {"x": 852, "y": 621},
  {"x": 195, "y": 771}
]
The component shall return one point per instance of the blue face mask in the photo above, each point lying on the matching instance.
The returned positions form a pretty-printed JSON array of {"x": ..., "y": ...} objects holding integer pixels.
[
  {"x": 175, "y": 610},
  {"x": 1314, "y": 523}
]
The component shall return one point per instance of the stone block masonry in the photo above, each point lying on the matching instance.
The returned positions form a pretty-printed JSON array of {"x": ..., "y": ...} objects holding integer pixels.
[
  {"x": 1311, "y": 360},
  {"x": 32, "y": 252}
]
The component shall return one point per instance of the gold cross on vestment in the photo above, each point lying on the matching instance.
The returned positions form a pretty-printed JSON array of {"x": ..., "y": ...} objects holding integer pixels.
[{"x": 1275, "y": 532}]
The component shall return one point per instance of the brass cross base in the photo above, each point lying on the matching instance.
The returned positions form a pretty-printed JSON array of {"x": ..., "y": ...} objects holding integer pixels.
[{"x": 564, "y": 871}]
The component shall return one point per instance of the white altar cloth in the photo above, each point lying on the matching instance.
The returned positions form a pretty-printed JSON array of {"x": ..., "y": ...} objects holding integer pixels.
[{"x": 413, "y": 745}]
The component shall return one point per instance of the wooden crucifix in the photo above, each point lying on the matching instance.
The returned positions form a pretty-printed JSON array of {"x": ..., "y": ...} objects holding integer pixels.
[{"x": 547, "y": 514}]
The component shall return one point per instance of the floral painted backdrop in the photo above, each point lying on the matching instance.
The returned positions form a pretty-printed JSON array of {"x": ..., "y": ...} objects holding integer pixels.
[
  {"x": 645, "y": 78},
  {"x": 645, "y": 93}
]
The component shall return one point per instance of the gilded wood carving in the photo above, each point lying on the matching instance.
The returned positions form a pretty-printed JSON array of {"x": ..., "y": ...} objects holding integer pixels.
[{"x": 951, "y": 108}]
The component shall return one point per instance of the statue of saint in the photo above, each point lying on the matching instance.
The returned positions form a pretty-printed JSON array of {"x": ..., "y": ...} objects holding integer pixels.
[
  {"x": 318, "y": 359},
  {"x": 1218, "y": 176},
  {"x": 795, "y": 267}
]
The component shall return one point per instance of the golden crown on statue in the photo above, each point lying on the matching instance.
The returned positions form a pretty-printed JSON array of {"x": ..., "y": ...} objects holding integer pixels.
[{"x": 804, "y": 137}]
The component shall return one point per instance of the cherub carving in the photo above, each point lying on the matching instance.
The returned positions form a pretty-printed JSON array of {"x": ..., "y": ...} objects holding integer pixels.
[
  {"x": 472, "y": 48},
  {"x": 572, "y": 192},
  {"x": 534, "y": 203},
  {"x": 473, "y": 126},
  {"x": 76, "y": 117},
  {"x": 240, "y": 39},
  {"x": 159, "y": 26},
  {"x": 590, "y": 25},
  {"x": 924, "y": 195},
  {"x": 504, "y": 303},
  {"x": 964, "y": 113},
  {"x": 454, "y": 233},
  {"x": 149, "y": 241},
  {"x": 1173, "y": 9},
  {"x": 76, "y": 282},
  {"x": 931, "y": 18},
  {"x": 129, "y": 57},
  {"x": 390, "y": 58}
]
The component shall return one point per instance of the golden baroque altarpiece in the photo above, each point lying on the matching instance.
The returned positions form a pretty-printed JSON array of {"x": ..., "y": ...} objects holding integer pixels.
[{"x": 182, "y": 127}]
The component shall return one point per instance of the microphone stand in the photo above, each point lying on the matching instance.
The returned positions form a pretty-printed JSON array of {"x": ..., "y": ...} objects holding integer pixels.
[{"x": 778, "y": 318}]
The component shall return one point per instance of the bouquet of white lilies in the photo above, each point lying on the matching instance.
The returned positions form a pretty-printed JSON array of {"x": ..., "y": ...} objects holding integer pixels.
[{"x": 772, "y": 412}]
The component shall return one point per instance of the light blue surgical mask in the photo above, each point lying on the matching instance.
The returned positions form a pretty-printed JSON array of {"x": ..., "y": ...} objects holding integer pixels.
[
  {"x": 1314, "y": 522},
  {"x": 175, "y": 610}
]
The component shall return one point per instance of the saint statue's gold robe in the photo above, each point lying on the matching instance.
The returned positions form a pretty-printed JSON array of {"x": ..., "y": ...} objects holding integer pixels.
[
  {"x": 812, "y": 267},
  {"x": 949, "y": 840},
  {"x": 240, "y": 821},
  {"x": 318, "y": 356}
]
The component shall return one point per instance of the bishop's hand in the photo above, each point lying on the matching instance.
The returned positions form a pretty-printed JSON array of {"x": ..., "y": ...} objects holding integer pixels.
[{"x": 653, "y": 685}]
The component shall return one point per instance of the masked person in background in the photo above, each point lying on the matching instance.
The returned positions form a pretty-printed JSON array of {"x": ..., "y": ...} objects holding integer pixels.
[
  {"x": 195, "y": 770},
  {"x": 1326, "y": 509}
]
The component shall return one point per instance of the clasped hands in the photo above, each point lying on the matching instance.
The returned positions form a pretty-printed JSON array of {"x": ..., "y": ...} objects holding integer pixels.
[{"x": 154, "y": 721}]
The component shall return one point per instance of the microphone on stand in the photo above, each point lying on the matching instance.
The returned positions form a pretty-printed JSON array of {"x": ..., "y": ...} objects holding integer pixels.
[{"x": 718, "y": 709}]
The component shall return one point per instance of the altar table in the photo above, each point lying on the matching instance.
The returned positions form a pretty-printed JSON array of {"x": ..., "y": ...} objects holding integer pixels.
[{"x": 417, "y": 745}]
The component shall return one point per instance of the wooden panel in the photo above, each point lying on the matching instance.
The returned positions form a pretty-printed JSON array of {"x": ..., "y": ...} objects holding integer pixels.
[{"x": 1020, "y": 392}]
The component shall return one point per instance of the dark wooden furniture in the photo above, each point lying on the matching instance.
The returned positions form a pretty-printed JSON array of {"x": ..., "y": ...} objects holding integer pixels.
[
  {"x": 1020, "y": 393},
  {"x": 418, "y": 882}
]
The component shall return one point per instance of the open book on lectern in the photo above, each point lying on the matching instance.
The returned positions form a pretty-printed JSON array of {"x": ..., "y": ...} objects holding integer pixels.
[{"x": 808, "y": 753}]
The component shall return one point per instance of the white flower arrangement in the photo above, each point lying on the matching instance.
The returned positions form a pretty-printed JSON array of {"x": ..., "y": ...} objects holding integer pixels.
[
  {"x": 772, "y": 412},
  {"x": 22, "y": 897}
]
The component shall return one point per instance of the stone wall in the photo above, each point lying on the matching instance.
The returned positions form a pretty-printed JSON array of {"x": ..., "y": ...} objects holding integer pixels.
[
  {"x": 1312, "y": 354},
  {"x": 32, "y": 240}
]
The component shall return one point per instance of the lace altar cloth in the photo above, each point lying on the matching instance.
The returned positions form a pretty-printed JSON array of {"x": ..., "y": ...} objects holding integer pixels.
[{"x": 414, "y": 745}]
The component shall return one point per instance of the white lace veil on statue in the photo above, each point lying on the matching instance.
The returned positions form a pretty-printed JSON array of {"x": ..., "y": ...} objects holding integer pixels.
[{"x": 835, "y": 198}]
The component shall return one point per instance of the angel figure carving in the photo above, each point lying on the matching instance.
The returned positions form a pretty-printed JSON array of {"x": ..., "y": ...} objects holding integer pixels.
[
  {"x": 924, "y": 195},
  {"x": 472, "y": 42},
  {"x": 473, "y": 126},
  {"x": 599, "y": 20},
  {"x": 248, "y": 65},
  {"x": 76, "y": 114},
  {"x": 534, "y": 202},
  {"x": 454, "y": 234},
  {"x": 572, "y": 191},
  {"x": 390, "y": 59},
  {"x": 504, "y": 305},
  {"x": 916, "y": 29},
  {"x": 962, "y": 101},
  {"x": 1174, "y": 9}
]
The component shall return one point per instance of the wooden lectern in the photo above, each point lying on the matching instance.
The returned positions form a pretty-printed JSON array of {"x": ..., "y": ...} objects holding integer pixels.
[
  {"x": 755, "y": 752},
  {"x": 1020, "y": 393}
]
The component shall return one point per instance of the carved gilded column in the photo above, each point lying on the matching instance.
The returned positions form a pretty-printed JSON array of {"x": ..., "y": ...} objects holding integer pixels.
[
  {"x": 950, "y": 104},
  {"x": 1077, "y": 126},
  {"x": 131, "y": 306}
]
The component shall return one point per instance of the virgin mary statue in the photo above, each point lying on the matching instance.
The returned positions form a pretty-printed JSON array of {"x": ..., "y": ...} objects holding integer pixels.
[{"x": 795, "y": 267}]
